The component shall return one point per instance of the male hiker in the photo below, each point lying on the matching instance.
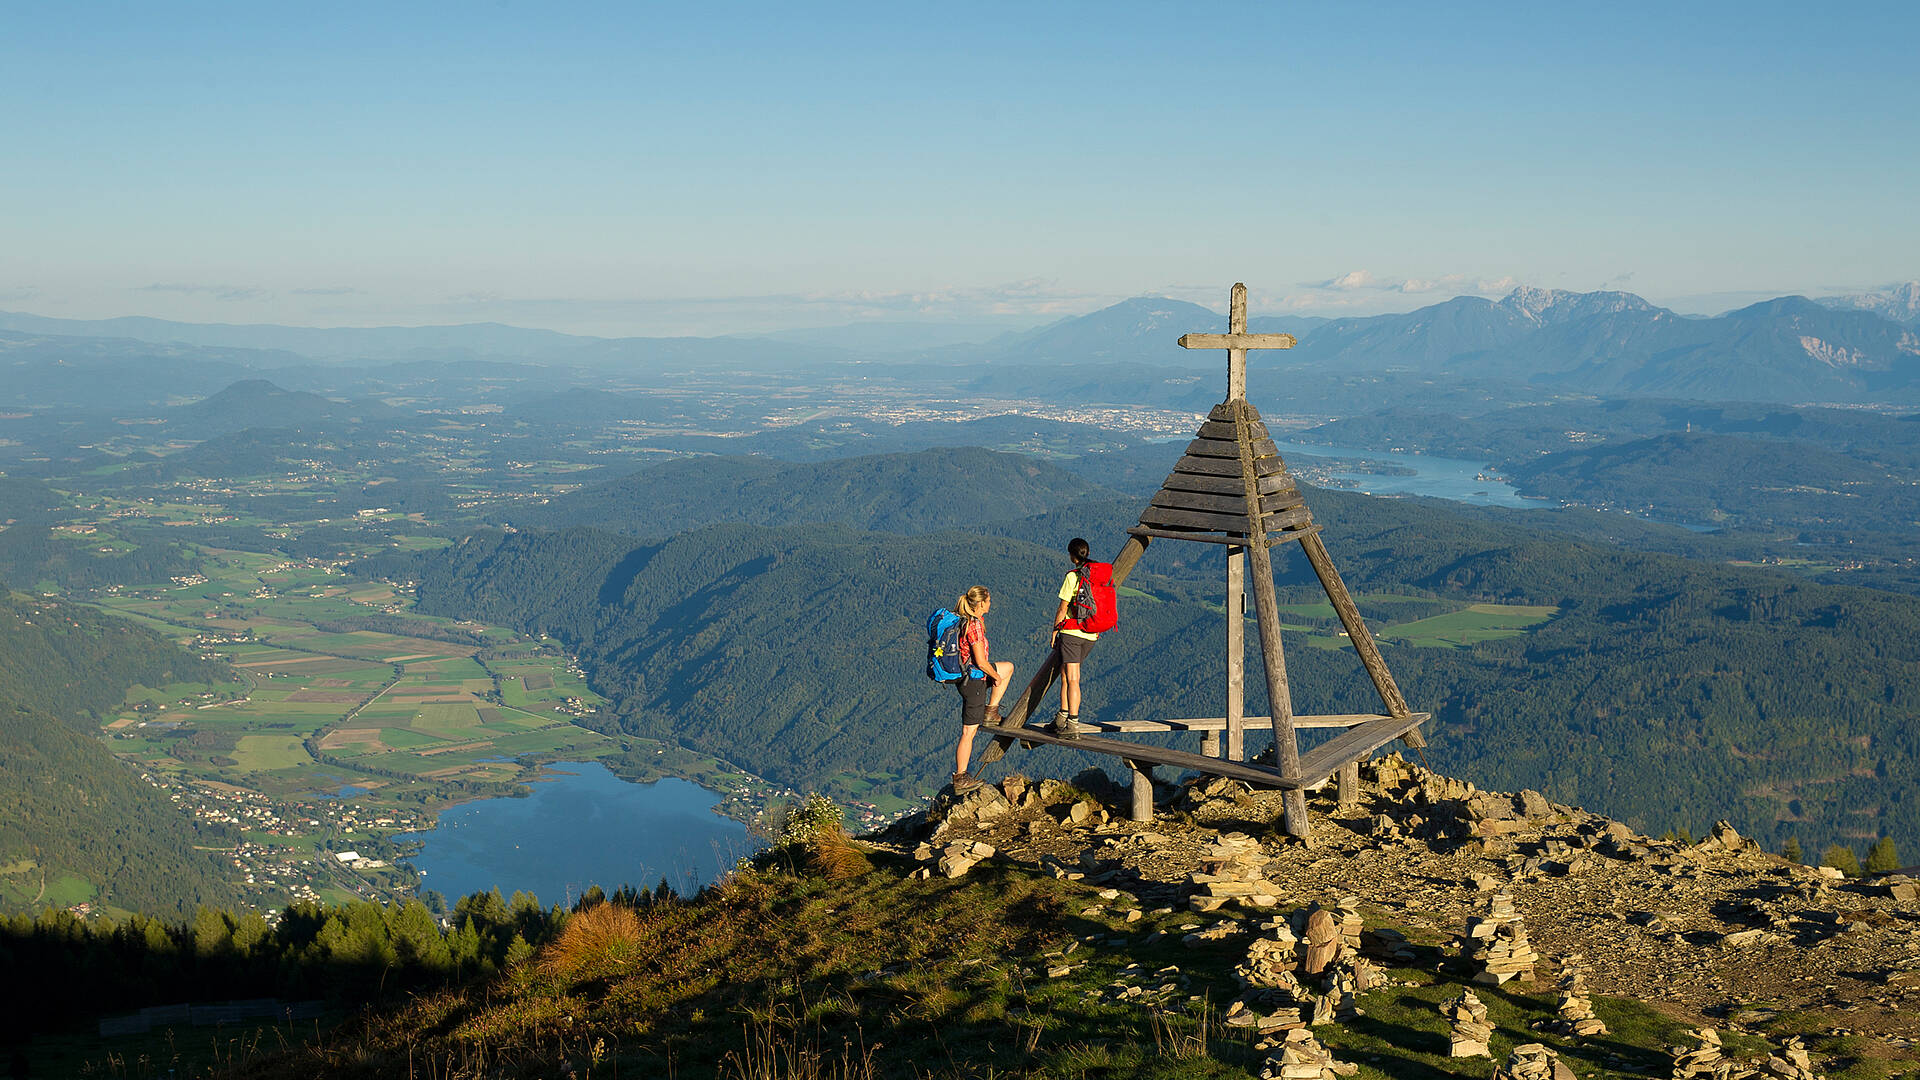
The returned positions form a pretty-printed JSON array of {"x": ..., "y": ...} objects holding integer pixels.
[{"x": 1086, "y": 609}]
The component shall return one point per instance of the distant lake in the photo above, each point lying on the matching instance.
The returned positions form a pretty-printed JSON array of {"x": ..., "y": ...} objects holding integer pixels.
[
  {"x": 582, "y": 826},
  {"x": 1402, "y": 474}
]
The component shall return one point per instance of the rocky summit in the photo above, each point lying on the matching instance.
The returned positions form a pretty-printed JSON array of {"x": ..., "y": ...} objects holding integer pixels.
[{"x": 1503, "y": 888}]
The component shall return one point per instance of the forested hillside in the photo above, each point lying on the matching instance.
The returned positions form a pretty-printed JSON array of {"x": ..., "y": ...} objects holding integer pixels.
[
  {"x": 903, "y": 493},
  {"x": 1663, "y": 691},
  {"x": 75, "y": 823}
]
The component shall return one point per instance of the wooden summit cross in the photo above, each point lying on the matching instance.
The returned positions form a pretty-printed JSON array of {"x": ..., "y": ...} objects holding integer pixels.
[{"x": 1232, "y": 488}]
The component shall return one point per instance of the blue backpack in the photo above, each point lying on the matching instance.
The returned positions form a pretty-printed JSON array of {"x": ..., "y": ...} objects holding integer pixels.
[{"x": 943, "y": 647}]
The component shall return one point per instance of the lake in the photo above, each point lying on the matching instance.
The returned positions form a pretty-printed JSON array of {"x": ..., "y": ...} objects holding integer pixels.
[
  {"x": 582, "y": 826},
  {"x": 1383, "y": 472}
]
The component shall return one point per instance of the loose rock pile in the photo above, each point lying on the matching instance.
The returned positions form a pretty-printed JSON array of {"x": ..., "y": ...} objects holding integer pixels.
[
  {"x": 1791, "y": 1063},
  {"x": 1497, "y": 944},
  {"x": 1297, "y": 1055},
  {"x": 1233, "y": 870},
  {"x": 1533, "y": 1061},
  {"x": 1468, "y": 1015},
  {"x": 1575, "y": 1013},
  {"x": 1703, "y": 1058}
]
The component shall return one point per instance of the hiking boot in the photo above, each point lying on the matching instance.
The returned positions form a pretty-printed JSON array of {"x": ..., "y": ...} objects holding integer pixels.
[
  {"x": 964, "y": 782},
  {"x": 1064, "y": 726}
]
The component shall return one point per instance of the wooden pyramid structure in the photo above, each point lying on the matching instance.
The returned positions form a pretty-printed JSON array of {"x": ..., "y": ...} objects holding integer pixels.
[{"x": 1232, "y": 488}]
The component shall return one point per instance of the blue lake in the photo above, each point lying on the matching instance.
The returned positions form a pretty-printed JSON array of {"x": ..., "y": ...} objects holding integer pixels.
[
  {"x": 582, "y": 826},
  {"x": 1441, "y": 478}
]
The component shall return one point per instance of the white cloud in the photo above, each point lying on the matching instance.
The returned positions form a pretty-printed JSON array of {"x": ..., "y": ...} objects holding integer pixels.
[
  {"x": 1348, "y": 282},
  {"x": 218, "y": 292}
]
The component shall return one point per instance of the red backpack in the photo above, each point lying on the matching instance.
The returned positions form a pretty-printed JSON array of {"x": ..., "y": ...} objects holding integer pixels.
[{"x": 1094, "y": 608}]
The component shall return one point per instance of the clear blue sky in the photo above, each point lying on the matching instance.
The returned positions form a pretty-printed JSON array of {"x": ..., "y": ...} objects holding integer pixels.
[{"x": 628, "y": 168}]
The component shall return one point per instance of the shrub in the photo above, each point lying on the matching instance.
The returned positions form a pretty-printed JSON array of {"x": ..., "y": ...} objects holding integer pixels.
[
  {"x": 1843, "y": 859},
  {"x": 595, "y": 941}
]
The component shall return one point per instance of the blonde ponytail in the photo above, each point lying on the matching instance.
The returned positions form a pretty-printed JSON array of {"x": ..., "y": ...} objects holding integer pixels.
[{"x": 971, "y": 602}]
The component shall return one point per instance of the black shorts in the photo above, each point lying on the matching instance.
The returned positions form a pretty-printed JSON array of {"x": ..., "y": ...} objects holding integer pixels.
[
  {"x": 1073, "y": 650},
  {"x": 973, "y": 699}
]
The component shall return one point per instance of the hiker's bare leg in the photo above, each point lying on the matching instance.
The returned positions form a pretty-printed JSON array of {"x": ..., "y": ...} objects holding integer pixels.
[
  {"x": 1070, "y": 688},
  {"x": 1004, "y": 669},
  {"x": 965, "y": 753}
]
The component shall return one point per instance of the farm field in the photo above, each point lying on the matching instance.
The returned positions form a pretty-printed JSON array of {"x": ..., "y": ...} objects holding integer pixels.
[
  {"x": 396, "y": 704},
  {"x": 1477, "y": 622}
]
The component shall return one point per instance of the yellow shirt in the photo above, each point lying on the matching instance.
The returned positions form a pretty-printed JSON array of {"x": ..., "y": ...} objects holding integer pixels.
[{"x": 1067, "y": 589}]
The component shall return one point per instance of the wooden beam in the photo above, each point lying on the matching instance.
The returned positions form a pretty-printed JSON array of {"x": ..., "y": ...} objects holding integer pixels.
[
  {"x": 1348, "y": 794},
  {"x": 1227, "y": 449},
  {"x": 1270, "y": 485},
  {"x": 1237, "y": 341},
  {"x": 1224, "y": 522},
  {"x": 1219, "y": 466},
  {"x": 1235, "y": 719},
  {"x": 1321, "y": 762},
  {"x": 1286, "y": 747},
  {"x": 1221, "y": 723},
  {"x": 1142, "y": 809},
  {"x": 1157, "y": 755},
  {"x": 1220, "y": 538},
  {"x": 1175, "y": 499}
]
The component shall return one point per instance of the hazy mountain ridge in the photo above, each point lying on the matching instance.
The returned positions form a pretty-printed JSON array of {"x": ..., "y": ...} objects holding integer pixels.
[
  {"x": 905, "y": 493},
  {"x": 1900, "y": 303},
  {"x": 1787, "y": 349}
]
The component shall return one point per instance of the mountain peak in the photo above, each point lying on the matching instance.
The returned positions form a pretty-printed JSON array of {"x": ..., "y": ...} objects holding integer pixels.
[
  {"x": 1546, "y": 307},
  {"x": 1901, "y": 303}
]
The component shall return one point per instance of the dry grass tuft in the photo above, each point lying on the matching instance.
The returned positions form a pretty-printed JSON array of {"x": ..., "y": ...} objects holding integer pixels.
[
  {"x": 600, "y": 940},
  {"x": 835, "y": 856}
]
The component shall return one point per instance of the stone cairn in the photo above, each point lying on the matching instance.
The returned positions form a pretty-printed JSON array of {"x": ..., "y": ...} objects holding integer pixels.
[
  {"x": 1703, "y": 1058},
  {"x": 1297, "y": 1055},
  {"x": 1575, "y": 1013},
  {"x": 1233, "y": 870},
  {"x": 1468, "y": 1015},
  {"x": 1534, "y": 1061},
  {"x": 1791, "y": 1063},
  {"x": 1497, "y": 944}
]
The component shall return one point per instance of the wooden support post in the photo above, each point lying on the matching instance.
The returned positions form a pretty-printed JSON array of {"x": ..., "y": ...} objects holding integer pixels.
[
  {"x": 1210, "y": 743},
  {"x": 1286, "y": 745},
  {"x": 1142, "y": 809},
  {"x": 1357, "y": 632},
  {"x": 1236, "y": 653},
  {"x": 1349, "y": 793}
]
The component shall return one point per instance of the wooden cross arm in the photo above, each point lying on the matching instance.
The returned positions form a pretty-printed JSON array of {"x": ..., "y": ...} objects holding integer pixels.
[{"x": 1236, "y": 341}]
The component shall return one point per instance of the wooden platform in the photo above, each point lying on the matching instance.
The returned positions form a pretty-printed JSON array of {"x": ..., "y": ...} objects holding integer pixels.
[
  {"x": 1363, "y": 736},
  {"x": 1219, "y": 723},
  {"x": 1139, "y": 754}
]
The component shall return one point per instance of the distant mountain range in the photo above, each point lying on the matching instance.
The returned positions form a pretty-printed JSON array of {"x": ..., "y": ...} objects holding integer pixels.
[
  {"x": 1850, "y": 349},
  {"x": 1900, "y": 303}
]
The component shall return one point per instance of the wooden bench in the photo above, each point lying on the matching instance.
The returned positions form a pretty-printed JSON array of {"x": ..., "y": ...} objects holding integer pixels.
[{"x": 1364, "y": 734}]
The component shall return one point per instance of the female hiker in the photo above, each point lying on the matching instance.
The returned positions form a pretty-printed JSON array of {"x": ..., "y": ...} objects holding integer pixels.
[
  {"x": 1077, "y": 624},
  {"x": 985, "y": 682}
]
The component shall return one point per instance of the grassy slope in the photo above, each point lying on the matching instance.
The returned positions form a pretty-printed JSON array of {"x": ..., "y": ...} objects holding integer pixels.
[{"x": 788, "y": 974}]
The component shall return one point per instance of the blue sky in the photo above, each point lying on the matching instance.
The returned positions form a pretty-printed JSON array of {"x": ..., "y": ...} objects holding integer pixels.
[{"x": 636, "y": 169}]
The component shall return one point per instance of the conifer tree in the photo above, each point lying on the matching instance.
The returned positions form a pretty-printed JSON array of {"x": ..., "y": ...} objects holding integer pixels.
[
  {"x": 1882, "y": 858},
  {"x": 1842, "y": 858},
  {"x": 1790, "y": 851}
]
